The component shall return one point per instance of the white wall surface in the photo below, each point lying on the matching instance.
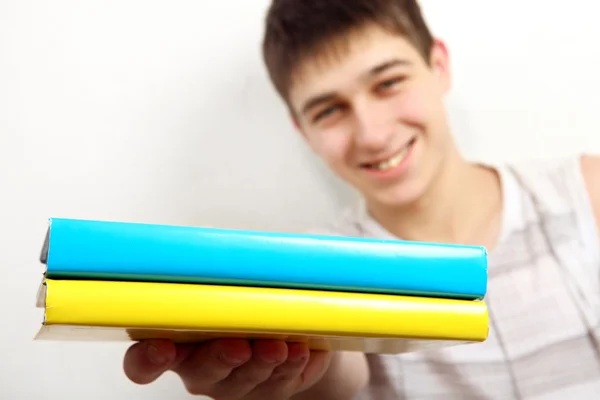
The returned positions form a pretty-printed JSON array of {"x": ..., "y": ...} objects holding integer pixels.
[{"x": 160, "y": 111}]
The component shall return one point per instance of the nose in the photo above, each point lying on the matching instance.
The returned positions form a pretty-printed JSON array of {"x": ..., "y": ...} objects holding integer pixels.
[{"x": 373, "y": 128}]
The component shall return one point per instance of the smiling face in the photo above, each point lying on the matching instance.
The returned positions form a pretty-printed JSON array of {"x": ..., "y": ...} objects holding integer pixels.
[{"x": 374, "y": 113}]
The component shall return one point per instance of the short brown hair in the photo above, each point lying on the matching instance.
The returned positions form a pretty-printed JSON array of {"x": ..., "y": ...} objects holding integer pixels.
[{"x": 299, "y": 28}]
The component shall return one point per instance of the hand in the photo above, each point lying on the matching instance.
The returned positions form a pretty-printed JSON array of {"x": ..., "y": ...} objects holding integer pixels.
[{"x": 230, "y": 369}]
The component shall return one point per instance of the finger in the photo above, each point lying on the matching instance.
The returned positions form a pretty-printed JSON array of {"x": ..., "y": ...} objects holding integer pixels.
[
  {"x": 266, "y": 356},
  {"x": 292, "y": 383},
  {"x": 290, "y": 370},
  {"x": 316, "y": 367},
  {"x": 184, "y": 350},
  {"x": 146, "y": 361},
  {"x": 286, "y": 378},
  {"x": 212, "y": 362}
]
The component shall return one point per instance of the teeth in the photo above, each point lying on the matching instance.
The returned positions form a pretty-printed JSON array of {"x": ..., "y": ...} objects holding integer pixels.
[{"x": 392, "y": 162}]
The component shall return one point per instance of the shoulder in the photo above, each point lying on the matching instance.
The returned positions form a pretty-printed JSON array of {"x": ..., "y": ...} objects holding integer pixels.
[
  {"x": 564, "y": 188},
  {"x": 561, "y": 184},
  {"x": 590, "y": 170}
]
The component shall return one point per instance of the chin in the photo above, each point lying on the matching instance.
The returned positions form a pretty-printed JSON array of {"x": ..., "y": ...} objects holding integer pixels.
[{"x": 398, "y": 196}]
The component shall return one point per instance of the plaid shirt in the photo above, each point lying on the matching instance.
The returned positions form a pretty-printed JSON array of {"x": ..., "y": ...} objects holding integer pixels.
[{"x": 543, "y": 298}]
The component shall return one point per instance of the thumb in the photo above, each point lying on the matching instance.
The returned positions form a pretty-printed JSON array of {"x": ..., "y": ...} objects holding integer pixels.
[{"x": 146, "y": 361}]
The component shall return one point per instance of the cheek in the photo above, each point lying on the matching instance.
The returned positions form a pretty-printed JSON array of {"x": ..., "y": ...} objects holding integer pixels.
[
  {"x": 333, "y": 146},
  {"x": 412, "y": 108}
]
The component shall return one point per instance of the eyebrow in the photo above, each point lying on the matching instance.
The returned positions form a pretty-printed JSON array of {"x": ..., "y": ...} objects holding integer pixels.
[{"x": 376, "y": 70}]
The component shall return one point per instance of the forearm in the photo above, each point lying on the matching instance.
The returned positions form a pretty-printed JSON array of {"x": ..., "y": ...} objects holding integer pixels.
[{"x": 346, "y": 376}]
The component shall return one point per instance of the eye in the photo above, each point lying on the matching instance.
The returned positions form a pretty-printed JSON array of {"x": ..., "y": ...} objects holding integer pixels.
[
  {"x": 325, "y": 113},
  {"x": 390, "y": 84}
]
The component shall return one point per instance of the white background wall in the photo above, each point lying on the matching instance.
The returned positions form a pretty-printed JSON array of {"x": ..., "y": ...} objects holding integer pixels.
[{"x": 160, "y": 112}]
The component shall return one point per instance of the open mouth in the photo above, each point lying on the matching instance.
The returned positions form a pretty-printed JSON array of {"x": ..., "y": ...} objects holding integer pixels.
[{"x": 392, "y": 161}]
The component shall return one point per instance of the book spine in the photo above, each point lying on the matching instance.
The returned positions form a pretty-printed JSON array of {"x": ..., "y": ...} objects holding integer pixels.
[
  {"x": 133, "y": 251},
  {"x": 246, "y": 309}
]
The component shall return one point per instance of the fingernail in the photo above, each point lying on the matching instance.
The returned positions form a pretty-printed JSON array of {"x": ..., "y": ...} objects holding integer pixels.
[
  {"x": 297, "y": 360},
  {"x": 269, "y": 359},
  {"x": 155, "y": 355},
  {"x": 230, "y": 360}
]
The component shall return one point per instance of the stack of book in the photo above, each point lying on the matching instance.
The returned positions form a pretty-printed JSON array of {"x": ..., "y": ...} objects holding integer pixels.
[{"x": 107, "y": 280}]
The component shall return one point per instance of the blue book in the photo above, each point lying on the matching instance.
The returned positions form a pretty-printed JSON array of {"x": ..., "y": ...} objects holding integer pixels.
[{"x": 85, "y": 249}]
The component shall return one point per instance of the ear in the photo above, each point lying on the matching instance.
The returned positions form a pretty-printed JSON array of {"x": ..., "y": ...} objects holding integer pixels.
[{"x": 440, "y": 64}]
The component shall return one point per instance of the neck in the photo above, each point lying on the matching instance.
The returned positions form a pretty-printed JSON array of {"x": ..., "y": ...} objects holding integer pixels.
[{"x": 469, "y": 214}]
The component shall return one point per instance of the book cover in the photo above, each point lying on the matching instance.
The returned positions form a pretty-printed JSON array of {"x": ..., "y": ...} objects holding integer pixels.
[
  {"x": 381, "y": 323},
  {"x": 105, "y": 250}
]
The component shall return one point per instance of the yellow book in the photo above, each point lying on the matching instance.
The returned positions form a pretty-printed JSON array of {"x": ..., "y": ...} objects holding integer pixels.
[{"x": 372, "y": 323}]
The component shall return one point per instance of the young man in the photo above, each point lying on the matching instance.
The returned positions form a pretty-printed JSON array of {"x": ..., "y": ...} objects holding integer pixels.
[{"x": 364, "y": 82}]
